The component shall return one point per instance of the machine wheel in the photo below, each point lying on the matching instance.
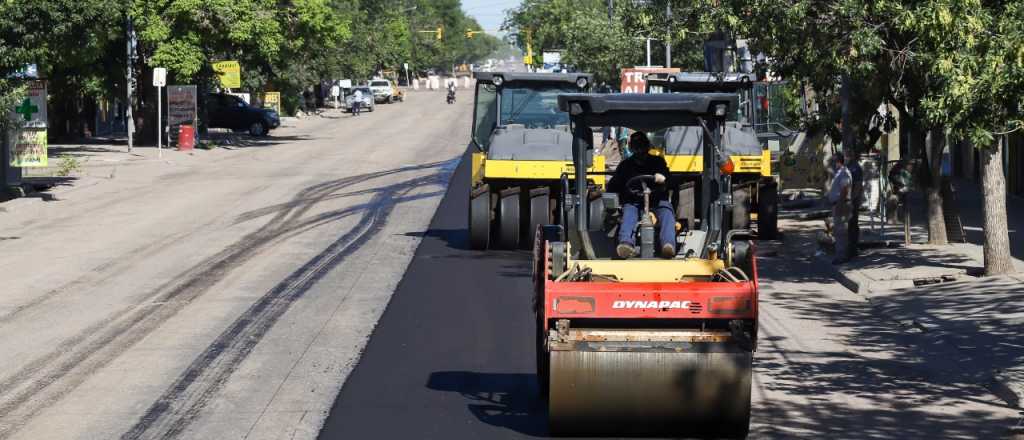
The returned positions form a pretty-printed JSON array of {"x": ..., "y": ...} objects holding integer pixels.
[
  {"x": 687, "y": 207},
  {"x": 539, "y": 206},
  {"x": 768, "y": 211},
  {"x": 741, "y": 208},
  {"x": 692, "y": 394},
  {"x": 508, "y": 219},
  {"x": 596, "y": 215},
  {"x": 480, "y": 218}
]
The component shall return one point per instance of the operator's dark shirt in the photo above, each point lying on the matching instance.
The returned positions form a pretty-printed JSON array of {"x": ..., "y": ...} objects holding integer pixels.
[{"x": 631, "y": 167}]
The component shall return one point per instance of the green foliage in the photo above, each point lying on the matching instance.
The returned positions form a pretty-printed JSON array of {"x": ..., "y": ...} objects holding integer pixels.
[{"x": 67, "y": 165}]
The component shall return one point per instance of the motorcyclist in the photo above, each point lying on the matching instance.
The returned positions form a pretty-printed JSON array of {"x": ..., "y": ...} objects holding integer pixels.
[{"x": 641, "y": 163}]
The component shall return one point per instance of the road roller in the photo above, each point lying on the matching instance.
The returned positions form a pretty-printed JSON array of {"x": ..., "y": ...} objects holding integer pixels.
[
  {"x": 522, "y": 148},
  {"x": 754, "y": 189},
  {"x": 646, "y": 345}
]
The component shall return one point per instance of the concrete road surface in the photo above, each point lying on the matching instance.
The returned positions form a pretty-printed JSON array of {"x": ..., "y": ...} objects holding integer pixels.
[
  {"x": 222, "y": 295},
  {"x": 453, "y": 356}
]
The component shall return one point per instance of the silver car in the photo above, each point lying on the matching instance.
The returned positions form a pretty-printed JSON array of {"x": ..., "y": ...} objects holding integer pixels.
[{"x": 367, "y": 99}]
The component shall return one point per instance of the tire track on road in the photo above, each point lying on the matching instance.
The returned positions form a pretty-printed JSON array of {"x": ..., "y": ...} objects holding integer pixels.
[
  {"x": 48, "y": 378},
  {"x": 182, "y": 403}
]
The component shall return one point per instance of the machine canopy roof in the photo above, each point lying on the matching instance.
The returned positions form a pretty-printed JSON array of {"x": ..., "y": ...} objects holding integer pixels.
[
  {"x": 645, "y": 112},
  {"x": 512, "y": 77}
]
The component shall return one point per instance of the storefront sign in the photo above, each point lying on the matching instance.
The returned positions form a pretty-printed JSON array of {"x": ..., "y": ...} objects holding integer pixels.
[
  {"x": 633, "y": 79},
  {"x": 230, "y": 73},
  {"x": 181, "y": 105},
  {"x": 272, "y": 100},
  {"x": 29, "y": 143}
]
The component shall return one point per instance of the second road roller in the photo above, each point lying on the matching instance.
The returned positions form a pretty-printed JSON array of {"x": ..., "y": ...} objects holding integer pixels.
[
  {"x": 522, "y": 151},
  {"x": 654, "y": 343}
]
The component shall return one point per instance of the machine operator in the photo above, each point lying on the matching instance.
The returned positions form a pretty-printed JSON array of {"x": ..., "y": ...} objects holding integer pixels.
[{"x": 640, "y": 162}]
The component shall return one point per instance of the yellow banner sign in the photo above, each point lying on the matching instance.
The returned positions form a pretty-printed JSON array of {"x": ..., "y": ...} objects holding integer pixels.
[
  {"x": 230, "y": 73},
  {"x": 272, "y": 100}
]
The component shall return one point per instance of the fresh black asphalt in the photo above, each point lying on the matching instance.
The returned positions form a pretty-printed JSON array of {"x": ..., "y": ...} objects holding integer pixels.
[{"x": 452, "y": 356}]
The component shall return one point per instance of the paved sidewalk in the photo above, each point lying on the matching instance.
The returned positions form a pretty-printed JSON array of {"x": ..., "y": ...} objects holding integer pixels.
[
  {"x": 94, "y": 161},
  {"x": 974, "y": 325}
]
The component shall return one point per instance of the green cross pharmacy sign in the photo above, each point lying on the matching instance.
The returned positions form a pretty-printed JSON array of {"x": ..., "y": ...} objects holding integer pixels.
[
  {"x": 29, "y": 143},
  {"x": 27, "y": 109}
]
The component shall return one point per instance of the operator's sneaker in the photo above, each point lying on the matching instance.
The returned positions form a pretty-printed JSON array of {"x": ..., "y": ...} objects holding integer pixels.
[
  {"x": 625, "y": 250},
  {"x": 668, "y": 251}
]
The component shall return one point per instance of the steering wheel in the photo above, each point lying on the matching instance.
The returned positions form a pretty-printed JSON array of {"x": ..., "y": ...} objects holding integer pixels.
[{"x": 633, "y": 184}]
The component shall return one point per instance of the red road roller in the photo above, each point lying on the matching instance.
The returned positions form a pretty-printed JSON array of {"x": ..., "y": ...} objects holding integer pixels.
[{"x": 646, "y": 345}]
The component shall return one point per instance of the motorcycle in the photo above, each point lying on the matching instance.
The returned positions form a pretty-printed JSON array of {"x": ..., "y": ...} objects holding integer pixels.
[{"x": 451, "y": 96}]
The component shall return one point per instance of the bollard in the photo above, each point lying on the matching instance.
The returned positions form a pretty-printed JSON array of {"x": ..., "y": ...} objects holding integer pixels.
[{"x": 416, "y": 84}]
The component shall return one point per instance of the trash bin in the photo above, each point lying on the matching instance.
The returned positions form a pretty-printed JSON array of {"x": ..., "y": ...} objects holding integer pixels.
[{"x": 186, "y": 137}]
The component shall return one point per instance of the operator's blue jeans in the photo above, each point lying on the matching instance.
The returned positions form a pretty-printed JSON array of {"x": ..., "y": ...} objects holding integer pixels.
[{"x": 666, "y": 222}]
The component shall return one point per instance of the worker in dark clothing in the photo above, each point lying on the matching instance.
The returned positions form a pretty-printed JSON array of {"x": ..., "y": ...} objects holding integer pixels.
[{"x": 641, "y": 163}]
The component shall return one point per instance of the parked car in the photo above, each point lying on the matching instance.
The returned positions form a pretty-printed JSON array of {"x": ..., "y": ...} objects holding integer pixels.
[
  {"x": 227, "y": 111},
  {"x": 383, "y": 91},
  {"x": 368, "y": 98}
]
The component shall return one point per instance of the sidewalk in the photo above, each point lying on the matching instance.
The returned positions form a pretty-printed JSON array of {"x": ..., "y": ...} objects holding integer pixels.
[
  {"x": 974, "y": 325},
  {"x": 82, "y": 164}
]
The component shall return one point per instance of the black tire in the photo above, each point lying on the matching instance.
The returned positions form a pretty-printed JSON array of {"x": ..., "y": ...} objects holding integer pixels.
[
  {"x": 768, "y": 211},
  {"x": 538, "y": 210},
  {"x": 508, "y": 220},
  {"x": 741, "y": 208},
  {"x": 596, "y": 215},
  {"x": 258, "y": 128},
  {"x": 480, "y": 220}
]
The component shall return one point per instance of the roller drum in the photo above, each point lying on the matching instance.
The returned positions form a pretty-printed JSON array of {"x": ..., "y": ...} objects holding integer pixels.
[{"x": 650, "y": 393}]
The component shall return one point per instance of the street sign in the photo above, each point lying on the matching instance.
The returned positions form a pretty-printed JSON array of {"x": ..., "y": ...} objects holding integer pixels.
[
  {"x": 159, "y": 77},
  {"x": 405, "y": 66},
  {"x": 230, "y": 73},
  {"x": 346, "y": 84},
  {"x": 552, "y": 57},
  {"x": 29, "y": 143}
]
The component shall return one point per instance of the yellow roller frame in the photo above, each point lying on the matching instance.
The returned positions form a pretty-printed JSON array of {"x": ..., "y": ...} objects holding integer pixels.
[
  {"x": 650, "y": 270},
  {"x": 484, "y": 168},
  {"x": 744, "y": 164}
]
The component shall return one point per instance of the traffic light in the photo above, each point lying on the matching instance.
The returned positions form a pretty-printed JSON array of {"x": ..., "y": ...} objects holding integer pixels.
[
  {"x": 469, "y": 33},
  {"x": 440, "y": 33}
]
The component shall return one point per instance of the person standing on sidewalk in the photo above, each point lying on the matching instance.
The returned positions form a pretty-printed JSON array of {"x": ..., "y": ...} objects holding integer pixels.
[
  {"x": 856, "y": 199},
  {"x": 839, "y": 198}
]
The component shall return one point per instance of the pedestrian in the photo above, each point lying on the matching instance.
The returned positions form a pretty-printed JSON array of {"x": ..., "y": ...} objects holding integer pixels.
[
  {"x": 901, "y": 182},
  {"x": 357, "y": 102},
  {"x": 839, "y": 198},
  {"x": 856, "y": 199},
  {"x": 642, "y": 163}
]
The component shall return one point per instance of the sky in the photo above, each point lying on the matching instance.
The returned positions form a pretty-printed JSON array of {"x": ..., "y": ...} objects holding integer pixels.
[{"x": 489, "y": 13}]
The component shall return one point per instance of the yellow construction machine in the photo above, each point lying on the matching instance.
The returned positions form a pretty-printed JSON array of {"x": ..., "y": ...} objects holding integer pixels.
[{"x": 523, "y": 153}]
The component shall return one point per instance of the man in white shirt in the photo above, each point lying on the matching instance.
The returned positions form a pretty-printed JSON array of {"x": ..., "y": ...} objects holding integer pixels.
[{"x": 839, "y": 198}]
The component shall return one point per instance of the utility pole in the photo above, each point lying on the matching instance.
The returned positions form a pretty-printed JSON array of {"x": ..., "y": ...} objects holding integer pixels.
[
  {"x": 648, "y": 51},
  {"x": 668, "y": 34},
  {"x": 130, "y": 84}
]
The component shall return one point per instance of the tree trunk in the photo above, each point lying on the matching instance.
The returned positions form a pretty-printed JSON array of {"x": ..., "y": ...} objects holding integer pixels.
[
  {"x": 845, "y": 89},
  {"x": 935, "y": 144},
  {"x": 997, "y": 237}
]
